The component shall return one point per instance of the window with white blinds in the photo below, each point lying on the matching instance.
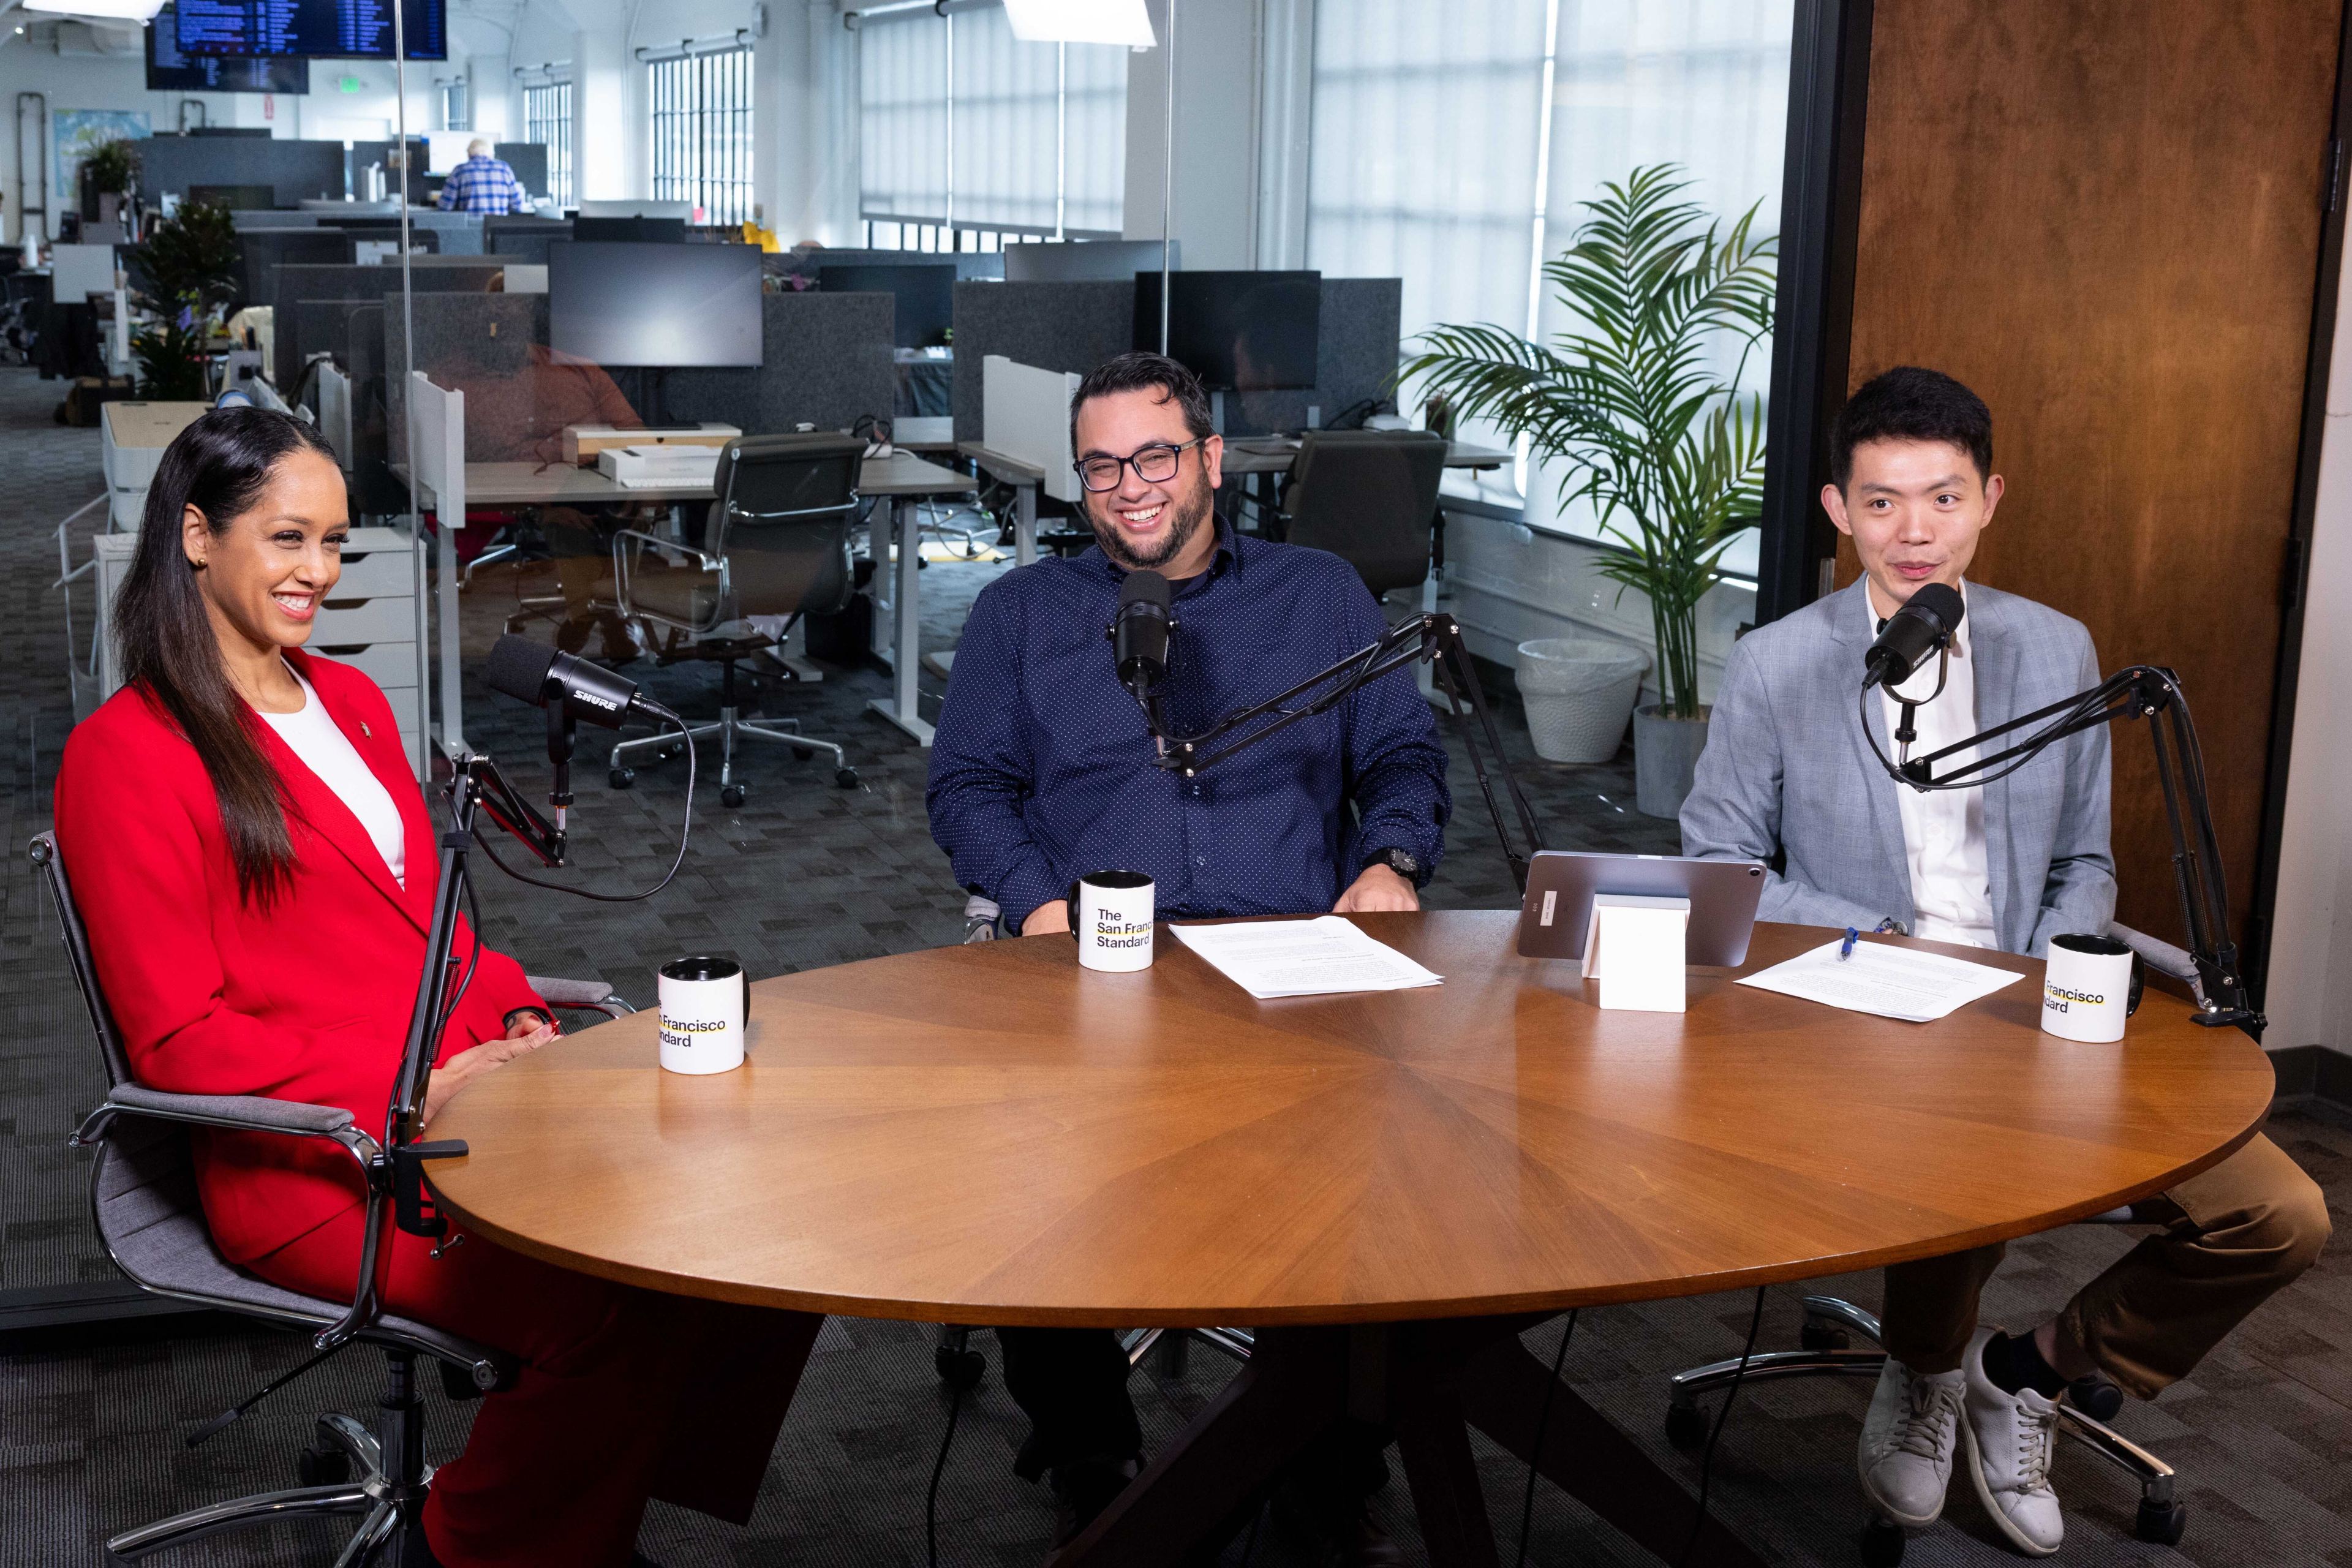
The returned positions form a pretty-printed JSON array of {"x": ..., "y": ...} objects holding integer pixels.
[
  {"x": 702, "y": 132},
  {"x": 547, "y": 120},
  {"x": 1452, "y": 145},
  {"x": 965, "y": 127}
]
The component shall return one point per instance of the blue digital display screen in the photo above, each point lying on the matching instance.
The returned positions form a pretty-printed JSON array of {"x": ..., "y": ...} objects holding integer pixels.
[
  {"x": 318, "y": 29},
  {"x": 169, "y": 70}
]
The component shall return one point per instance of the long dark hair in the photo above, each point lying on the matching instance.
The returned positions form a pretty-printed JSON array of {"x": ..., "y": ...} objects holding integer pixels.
[{"x": 219, "y": 464}]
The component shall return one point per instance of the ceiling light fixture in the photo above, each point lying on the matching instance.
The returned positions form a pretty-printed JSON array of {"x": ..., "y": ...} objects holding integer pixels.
[
  {"x": 1081, "y": 22},
  {"x": 108, "y": 10}
]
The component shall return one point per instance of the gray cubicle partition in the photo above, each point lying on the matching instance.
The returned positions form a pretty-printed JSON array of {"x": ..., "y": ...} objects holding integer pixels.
[
  {"x": 1076, "y": 326},
  {"x": 299, "y": 284},
  {"x": 529, "y": 162},
  {"x": 826, "y": 360},
  {"x": 523, "y": 238},
  {"x": 1053, "y": 326},
  {"x": 294, "y": 170}
]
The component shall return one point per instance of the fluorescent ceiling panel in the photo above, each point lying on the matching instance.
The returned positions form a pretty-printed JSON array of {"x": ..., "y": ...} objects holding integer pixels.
[{"x": 1081, "y": 22}]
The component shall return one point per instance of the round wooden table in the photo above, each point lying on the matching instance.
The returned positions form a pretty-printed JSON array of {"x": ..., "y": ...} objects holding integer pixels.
[{"x": 991, "y": 1135}]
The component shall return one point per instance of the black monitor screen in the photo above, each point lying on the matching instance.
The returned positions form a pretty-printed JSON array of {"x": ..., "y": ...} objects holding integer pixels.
[
  {"x": 169, "y": 70},
  {"x": 926, "y": 295},
  {"x": 662, "y": 305},
  {"x": 324, "y": 29},
  {"x": 631, "y": 230},
  {"x": 1249, "y": 331}
]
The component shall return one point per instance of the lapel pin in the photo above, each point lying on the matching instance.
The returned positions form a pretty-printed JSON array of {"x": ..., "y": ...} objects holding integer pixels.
[{"x": 366, "y": 730}]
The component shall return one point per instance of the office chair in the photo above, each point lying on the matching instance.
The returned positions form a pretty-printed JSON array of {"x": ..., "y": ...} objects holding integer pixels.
[
  {"x": 1368, "y": 496},
  {"x": 776, "y": 543},
  {"x": 143, "y": 1203},
  {"x": 1830, "y": 1323}
]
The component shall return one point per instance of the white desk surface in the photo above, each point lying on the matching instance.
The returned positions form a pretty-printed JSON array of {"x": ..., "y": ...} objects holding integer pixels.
[
  {"x": 1003, "y": 465},
  {"x": 1274, "y": 455},
  {"x": 562, "y": 484}
]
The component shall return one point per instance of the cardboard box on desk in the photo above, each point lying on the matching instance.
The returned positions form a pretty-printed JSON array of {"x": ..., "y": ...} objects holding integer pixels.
[
  {"x": 582, "y": 442},
  {"x": 677, "y": 467}
]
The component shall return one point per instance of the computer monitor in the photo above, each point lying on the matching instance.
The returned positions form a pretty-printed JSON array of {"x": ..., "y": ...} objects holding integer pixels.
[
  {"x": 636, "y": 207},
  {"x": 1244, "y": 331},
  {"x": 925, "y": 292},
  {"x": 630, "y": 230},
  {"x": 658, "y": 305},
  {"x": 1088, "y": 260}
]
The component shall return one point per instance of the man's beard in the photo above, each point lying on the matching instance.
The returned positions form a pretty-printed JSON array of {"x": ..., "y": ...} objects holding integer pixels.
[{"x": 1191, "y": 511}]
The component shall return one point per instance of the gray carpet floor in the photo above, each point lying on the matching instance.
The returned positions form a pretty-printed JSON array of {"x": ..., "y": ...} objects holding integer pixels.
[{"x": 92, "y": 1436}]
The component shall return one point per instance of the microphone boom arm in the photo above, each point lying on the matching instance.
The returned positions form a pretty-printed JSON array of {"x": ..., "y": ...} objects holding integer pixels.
[
  {"x": 1431, "y": 636},
  {"x": 2136, "y": 691}
]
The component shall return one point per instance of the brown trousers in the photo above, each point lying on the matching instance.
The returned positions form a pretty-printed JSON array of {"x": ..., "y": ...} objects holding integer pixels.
[{"x": 2229, "y": 1237}]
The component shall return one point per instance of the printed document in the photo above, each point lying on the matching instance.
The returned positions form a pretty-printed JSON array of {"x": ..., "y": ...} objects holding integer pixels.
[
  {"x": 1319, "y": 957},
  {"x": 1891, "y": 981}
]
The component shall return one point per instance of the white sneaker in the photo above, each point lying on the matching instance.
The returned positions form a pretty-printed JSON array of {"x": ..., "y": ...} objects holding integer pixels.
[
  {"x": 1905, "y": 1456},
  {"x": 2010, "y": 1439}
]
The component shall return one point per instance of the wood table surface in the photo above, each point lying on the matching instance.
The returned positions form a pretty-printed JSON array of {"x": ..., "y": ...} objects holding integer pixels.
[{"x": 989, "y": 1134}]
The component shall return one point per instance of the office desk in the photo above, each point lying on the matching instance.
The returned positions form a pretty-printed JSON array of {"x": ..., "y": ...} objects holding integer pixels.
[
  {"x": 902, "y": 478},
  {"x": 1389, "y": 1186},
  {"x": 1024, "y": 477},
  {"x": 1252, "y": 455}
]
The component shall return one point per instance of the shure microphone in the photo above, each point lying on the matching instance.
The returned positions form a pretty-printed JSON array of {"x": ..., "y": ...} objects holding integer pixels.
[
  {"x": 1924, "y": 623},
  {"x": 569, "y": 689},
  {"x": 1140, "y": 636}
]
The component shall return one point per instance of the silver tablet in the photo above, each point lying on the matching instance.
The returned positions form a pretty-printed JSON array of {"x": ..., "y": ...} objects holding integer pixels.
[{"x": 1562, "y": 882}]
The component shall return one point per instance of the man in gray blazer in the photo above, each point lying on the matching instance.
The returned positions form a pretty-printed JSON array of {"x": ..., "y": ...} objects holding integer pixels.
[{"x": 1790, "y": 777}]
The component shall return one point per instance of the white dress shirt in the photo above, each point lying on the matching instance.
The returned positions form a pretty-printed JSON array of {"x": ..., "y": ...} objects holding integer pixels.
[
  {"x": 1944, "y": 830},
  {"x": 311, "y": 734}
]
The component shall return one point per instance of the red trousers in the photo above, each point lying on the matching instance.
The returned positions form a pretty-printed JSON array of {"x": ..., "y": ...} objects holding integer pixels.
[{"x": 624, "y": 1394}]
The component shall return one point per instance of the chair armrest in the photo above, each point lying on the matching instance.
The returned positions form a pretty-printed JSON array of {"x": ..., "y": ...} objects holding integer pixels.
[
  {"x": 586, "y": 995},
  {"x": 702, "y": 563},
  {"x": 230, "y": 1112},
  {"x": 2158, "y": 954},
  {"x": 630, "y": 542}
]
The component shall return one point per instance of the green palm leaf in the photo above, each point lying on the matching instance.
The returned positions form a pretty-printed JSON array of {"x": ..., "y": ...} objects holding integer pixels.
[{"x": 1669, "y": 454}]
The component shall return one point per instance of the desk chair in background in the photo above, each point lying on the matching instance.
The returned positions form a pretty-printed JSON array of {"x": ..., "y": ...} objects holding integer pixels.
[
  {"x": 776, "y": 544},
  {"x": 144, "y": 1202},
  {"x": 1831, "y": 1321},
  {"x": 1368, "y": 496}
]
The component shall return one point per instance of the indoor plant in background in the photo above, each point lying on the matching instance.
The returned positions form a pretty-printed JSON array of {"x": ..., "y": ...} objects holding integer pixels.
[
  {"x": 187, "y": 272},
  {"x": 1626, "y": 399},
  {"x": 112, "y": 170}
]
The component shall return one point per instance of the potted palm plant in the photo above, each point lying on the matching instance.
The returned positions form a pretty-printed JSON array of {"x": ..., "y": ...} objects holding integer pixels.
[
  {"x": 112, "y": 170},
  {"x": 1628, "y": 400}
]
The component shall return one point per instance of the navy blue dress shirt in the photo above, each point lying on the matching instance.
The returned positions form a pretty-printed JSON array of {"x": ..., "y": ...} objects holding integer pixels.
[{"x": 1041, "y": 769}]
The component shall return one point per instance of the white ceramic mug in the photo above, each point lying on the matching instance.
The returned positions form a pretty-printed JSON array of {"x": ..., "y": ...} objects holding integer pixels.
[
  {"x": 706, "y": 1009},
  {"x": 2086, "y": 989},
  {"x": 1111, "y": 914}
]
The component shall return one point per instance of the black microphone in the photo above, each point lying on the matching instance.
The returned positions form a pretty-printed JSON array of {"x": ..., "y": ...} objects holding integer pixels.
[
  {"x": 569, "y": 689},
  {"x": 1923, "y": 625},
  {"x": 1140, "y": 635}
]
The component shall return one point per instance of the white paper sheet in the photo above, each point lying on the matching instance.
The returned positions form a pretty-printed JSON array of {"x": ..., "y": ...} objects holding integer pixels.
[
  {"x": 1891, "y": 981},
  {"x": 1320, "y": 957}
]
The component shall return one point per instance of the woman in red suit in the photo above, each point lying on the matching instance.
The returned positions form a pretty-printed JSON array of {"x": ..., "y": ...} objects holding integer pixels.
[{"x": 257, "y": 869}]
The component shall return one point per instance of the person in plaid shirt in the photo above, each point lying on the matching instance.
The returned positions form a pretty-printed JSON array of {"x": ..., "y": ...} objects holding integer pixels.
[{"x": 482, "y": 185}]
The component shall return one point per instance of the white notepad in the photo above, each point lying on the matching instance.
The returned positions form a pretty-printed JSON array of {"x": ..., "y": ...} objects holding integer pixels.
[
  {"x": 1320, "y": 957},
  {"x": 1891, "y": 981}
]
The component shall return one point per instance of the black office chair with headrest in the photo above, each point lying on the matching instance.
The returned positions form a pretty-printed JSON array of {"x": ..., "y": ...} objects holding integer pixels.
[
  {"x": 143, "y": 1201},
  {"x": 1368, "y": 496},
  {"x": 775, "y": 545}
]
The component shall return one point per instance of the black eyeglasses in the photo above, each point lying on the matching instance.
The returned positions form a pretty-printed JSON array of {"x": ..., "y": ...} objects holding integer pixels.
[{"x": 1154, "y": 464}]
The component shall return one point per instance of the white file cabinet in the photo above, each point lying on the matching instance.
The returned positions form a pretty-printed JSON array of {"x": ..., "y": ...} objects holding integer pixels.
[
  {"x": 131, "y": 436},
  {"x": 370, "y": 623}
]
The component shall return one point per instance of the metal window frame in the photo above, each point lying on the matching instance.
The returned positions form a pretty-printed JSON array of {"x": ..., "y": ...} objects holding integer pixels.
[
  {"x": 700, "y": 106},
  {"x": 547, "y": 120}
]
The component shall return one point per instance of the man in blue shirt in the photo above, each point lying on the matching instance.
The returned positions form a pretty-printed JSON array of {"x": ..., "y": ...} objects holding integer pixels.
[
  {"x": 482, "y": 185},
  {"x": 1043, "y": 771}
]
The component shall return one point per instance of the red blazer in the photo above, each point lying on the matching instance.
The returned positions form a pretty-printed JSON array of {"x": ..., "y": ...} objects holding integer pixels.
[{"x": 307, "y": 999}]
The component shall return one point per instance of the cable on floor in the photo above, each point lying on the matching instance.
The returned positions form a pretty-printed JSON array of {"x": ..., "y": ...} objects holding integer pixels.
[
  {"x": 1707, "y": 1464},
  {"x": 938, "y": 1466},
  {"x": 1543, "y": 1421}
]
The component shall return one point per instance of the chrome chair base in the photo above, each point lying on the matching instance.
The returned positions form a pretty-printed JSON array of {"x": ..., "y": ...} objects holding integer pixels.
[
  {"x": 348, "y": 1463},
  {"x": 1830, "y": 1322}
]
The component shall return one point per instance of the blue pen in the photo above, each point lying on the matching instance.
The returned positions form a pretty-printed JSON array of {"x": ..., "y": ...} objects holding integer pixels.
[{"x": 1845, "y": 948}]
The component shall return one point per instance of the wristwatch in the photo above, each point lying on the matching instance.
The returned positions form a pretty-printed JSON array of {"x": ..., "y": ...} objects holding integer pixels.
[
  {"x": 1402, "y": 862},
  {"x": 541, "y": 1014}
]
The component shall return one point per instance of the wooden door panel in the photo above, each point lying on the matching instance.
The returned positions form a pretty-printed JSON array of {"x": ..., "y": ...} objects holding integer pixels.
[{"x": 2104, "y": 216}]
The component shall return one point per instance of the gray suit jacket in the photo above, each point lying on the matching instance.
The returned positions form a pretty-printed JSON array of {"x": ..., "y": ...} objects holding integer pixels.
[{"x": 1787, "y": 769}]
